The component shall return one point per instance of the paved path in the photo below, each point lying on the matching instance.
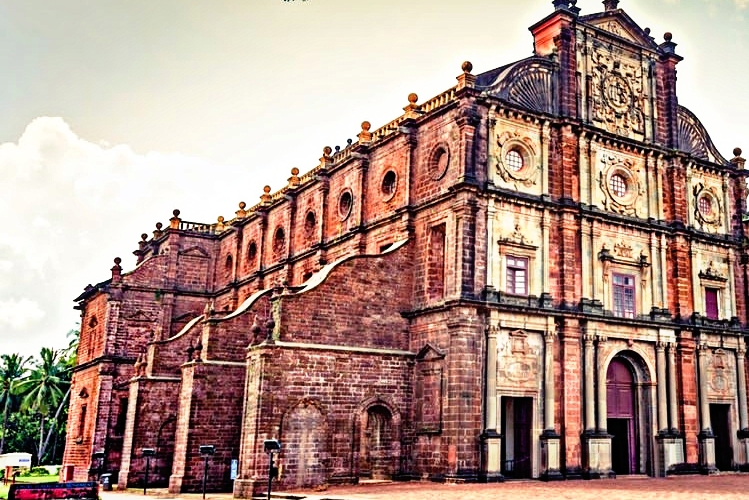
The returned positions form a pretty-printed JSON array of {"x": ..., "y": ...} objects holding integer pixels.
[{"x": 722, "y": 486}]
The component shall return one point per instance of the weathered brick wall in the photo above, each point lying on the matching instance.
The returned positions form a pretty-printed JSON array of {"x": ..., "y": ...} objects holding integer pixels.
[
  {"x": 327, "y": 315},
  {"x": 153, "y": 412},
  {"x": 210, "y": 409},
  {"x": 321, "y": 415}
]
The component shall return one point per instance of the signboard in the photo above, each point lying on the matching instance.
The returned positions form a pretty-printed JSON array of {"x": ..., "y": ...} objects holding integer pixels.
[
  {"x": 53, "y": 491},
  {"x": 234, "y": 468},
  {"x": 15, "y": 460}
]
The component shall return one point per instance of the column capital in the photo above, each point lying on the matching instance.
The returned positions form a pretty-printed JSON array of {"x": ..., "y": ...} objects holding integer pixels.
[
  {"x": 588, "y": 338},
  {"x": 661, "y": 345},
  {"x": 741, "y": 350},
  {"x": 601, "y": 338}
]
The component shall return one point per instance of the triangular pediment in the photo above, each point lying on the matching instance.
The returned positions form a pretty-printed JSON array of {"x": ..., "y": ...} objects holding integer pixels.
[
  {"x": 195, "y": 251},
  {"x": 619, "y": 24},
  {"x": 430, "y": 352},
  {"x": 140, "y": 315}
]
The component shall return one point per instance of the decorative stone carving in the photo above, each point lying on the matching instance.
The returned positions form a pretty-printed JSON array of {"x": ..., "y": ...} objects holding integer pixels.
[
  {"x": 707, "y": 208},
  {"x": 526, "y": 170},
  {"x": 518, "y": 361},
  {"x": 617, "y": 92},
  {"x": 712, "y": 274},
  {"x": 719, "y": 377},
  {"x": 693, "y": 138},
  {"x": 623, "y": 250},
  {"x": 528, "y": 83},
  {"x": 618, "y": 180}
]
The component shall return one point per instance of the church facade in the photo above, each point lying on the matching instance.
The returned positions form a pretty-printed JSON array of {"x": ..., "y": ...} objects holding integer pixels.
[{"x": 539, "y": 273}]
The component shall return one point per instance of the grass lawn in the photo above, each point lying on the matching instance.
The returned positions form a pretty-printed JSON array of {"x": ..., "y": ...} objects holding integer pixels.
[{"x": 35, "y": 479}]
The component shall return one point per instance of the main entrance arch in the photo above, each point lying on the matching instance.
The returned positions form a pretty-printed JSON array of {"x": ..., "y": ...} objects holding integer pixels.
[{"x": 628, "y": 420}]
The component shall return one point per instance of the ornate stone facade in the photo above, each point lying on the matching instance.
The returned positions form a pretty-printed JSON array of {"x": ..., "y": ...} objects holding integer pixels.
[{"x": 537, "y": 273}]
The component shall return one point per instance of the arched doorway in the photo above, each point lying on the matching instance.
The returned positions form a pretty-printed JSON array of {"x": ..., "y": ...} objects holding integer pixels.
[
  {"x": 377, "y": 457},
  {"x": 621, "y": 416}
]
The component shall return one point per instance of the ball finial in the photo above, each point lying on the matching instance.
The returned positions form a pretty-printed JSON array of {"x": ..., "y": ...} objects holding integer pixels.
[
  {"x": 412, "y": 98},
  {"x": 736, "y": 151},
  {"x": 220, "y": 219},
  {"x": 667, "y": 36},
  {"x": 144, "y": 236},
  {"x": 327, "y": 150},
  {"x": 294, "y": 171},
  {"x": 266, "y": 189},
  {"x": 647, "y": 31},
  {"x": 158, "y": 226},
  {"x": 242, "y": 205},
  {"x": 117, "y": 260},
  {"x": 365, "y": 126},
  {"x": 467, "y": 67},
  {"x": 175, "y": 212}
]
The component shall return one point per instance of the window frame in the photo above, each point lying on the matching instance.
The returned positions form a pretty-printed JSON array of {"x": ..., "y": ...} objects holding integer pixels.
[
  {"x": 714, "y": 290},
  {"x": 621, "y": 312},
  {"x": 511, "y": 270}
]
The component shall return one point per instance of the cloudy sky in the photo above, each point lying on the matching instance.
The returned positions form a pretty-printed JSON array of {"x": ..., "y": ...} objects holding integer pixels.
[{"x": 116, "y": 112}]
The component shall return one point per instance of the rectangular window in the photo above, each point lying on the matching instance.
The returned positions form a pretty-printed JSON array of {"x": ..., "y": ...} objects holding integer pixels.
[
  {"x": 436, "y": 267},
  {"x": 517, "y": 275},
  {"x": 711, "y": 303},
  {"x": 624, "y": 295}
]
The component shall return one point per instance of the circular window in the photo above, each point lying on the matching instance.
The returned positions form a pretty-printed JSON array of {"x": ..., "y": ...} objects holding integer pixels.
[
  {"x": 618, "y": 185},
  {"x": 345, "y": 202},
  {"x": 310, "y": 222},
  {"x": 440, "y": 162},
  {"x": 705, "y": 205},
  {"x": 514, "y": 160},
  {"x": 389, "y": 183}
]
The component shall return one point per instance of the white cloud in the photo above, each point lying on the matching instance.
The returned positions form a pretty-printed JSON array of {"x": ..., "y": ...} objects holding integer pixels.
[
  {"x": 69, "y": 206},
  {"x": 19, "y": 314}
]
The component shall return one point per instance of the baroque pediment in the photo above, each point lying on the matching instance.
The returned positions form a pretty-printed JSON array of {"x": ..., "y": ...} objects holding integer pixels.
[
  {"x": 195, "y": 251},
  {"x": 619, "y": 24}
]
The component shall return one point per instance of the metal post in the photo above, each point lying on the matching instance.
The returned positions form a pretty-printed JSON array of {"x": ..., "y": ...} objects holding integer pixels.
[
  {"x": 205, "y": 473},
  {"x": 270, "y": 474},
  {"x": 145, "y": 482}
]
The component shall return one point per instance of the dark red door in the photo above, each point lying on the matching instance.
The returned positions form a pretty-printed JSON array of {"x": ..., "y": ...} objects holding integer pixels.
[{"x": 620, "y": 409}]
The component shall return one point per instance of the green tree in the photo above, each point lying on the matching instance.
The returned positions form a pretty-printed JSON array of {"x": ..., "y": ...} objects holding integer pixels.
[
  {"x": 11, "y": 371},
  {"x": 45, "y": 389}
]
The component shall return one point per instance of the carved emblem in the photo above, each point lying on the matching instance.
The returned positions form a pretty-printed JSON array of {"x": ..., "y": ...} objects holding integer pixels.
[
  {"x": 712, "y": 274},
  {"x": 719, "y": 373},
  {"x": 623, "y": 250},
  {"x": 617, "y": 91}
]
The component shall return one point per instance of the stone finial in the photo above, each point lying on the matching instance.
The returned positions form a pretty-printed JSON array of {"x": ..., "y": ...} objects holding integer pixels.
[
  {"x": 116, "y": 270},
  {"x": 365, "y": 136},
  {"x": 143, "y": 241},
  {"x": 610, "y": 4},
  {"x": 561, "y": 4},
  {"x": 668, "y": 46},
  {"x": 294, "y": 179},
  {"x": 466, "y": 79},
  {"x": 220, "y": 223},
  {"x": 326, "y": 159},
  {"x": 737, "y": 160},
  {"x": 241, "y": 213},
  {"x": 412, "y": 109},
  {"x": 175, "y": 220},
  {"x": 157, "y": 232},
  {"x": 265, "y": 197}
]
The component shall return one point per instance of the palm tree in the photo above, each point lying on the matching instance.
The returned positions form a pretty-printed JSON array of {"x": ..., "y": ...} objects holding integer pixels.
[
  {"x": 45, "y": 388},
  {"x": 11, "y": 371}
]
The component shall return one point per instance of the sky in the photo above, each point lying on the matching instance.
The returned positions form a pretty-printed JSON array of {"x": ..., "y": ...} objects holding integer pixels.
[{"x": 114, "y": 113}]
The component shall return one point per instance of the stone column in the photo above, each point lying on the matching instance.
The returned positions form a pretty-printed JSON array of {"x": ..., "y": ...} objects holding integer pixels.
[
  {"x": 670, "y": 442},
  {"x": 743, "y": 433},
  {"x": 491, "y": 439},
  {"x": 602, "y": 425},
  {"x": 705, "y": 437},
  {"x": 590, "y": 398},
  {"x": 596, "y": 441},
  {"x": 673, "y": 409},
  {"x": 550, "y": 440},
  {"x": 660, "y": 359}
]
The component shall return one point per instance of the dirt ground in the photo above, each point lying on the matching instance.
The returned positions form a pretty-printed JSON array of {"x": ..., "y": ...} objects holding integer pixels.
[{"x": 723, "y": 486}]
